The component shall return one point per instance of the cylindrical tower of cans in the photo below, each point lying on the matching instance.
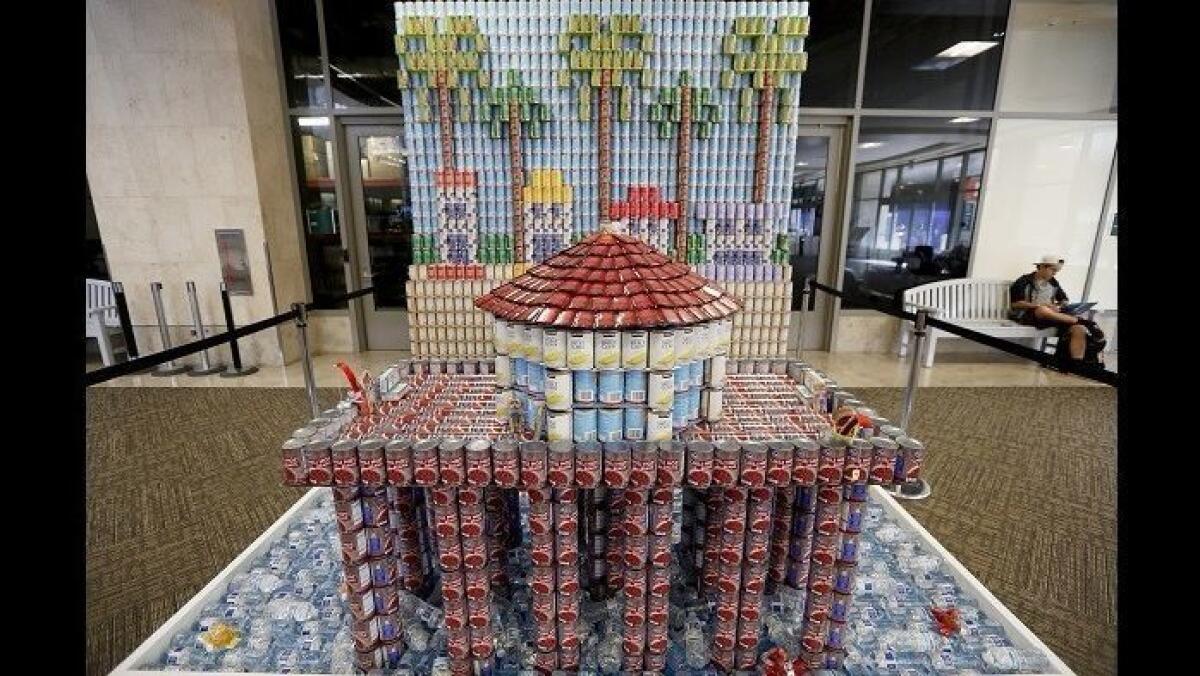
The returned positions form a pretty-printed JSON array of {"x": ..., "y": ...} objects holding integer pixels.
[{"x": 611, "y": 341}]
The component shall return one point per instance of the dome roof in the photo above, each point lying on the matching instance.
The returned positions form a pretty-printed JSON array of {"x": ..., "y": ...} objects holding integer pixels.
[{"x": 609, "y": 281}]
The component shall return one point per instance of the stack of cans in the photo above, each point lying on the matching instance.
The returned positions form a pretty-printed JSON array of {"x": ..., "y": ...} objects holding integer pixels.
[{"x": 458, "y": 218}]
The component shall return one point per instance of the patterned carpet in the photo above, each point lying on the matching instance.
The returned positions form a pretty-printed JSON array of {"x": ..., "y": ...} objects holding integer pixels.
[{"x": 1024, "y": 480}]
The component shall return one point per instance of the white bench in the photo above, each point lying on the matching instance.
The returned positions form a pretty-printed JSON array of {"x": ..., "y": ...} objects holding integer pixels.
[
  {"x": 977, "y": 304},
  {"x": 100, "y": 318}
]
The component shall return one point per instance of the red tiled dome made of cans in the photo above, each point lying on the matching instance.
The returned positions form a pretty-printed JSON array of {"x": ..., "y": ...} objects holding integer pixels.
[{"x": 609, "y": 281}]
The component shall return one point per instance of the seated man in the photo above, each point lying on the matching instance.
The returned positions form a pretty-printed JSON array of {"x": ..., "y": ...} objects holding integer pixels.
[{"x": 1036, "y": 299}]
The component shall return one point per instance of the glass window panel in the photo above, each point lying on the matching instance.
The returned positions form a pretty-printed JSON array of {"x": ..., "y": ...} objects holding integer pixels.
[
  {"x": 362, "y": 53},
  {"x": 318, "y": 208},
  {"x": 925, "y": 212},
  {"x": 387, "y": 206},
  {"x": 934, "y": 54},
  {"x": 975, "y": 164},
  {"x": 869, "y": 186},
  {"x": 1062, "y": 57},
  {"x": 807, "y": 209},
  {"x": 301, "y": 49},
  {"x": 832, "y": 46}
]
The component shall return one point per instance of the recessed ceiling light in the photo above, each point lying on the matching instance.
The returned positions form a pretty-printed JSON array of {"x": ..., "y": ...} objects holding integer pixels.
[
  {"x": 313, "y": 121},
  {"x": 870, "y": 144},
  {"x": 966, "y": 49},
  {"x": 964, "y": 120},
  {"x": 802, "y": 164}
]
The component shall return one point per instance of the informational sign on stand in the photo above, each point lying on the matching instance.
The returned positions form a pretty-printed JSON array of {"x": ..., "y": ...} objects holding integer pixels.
[{"x": 235, "y": 264}]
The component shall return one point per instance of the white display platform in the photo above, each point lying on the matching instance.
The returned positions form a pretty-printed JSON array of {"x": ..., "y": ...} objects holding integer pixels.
[{"x": 160, "y": 640}]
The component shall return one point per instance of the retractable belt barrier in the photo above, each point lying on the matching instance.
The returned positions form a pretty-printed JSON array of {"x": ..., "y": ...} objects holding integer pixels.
[
  {"x": 1106, "y": 377},
  {"x": 151, "y": 360}
]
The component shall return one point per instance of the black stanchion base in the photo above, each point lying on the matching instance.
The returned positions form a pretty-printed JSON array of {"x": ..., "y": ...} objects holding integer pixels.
[
  {"x": 166, "y": 370},
  {"x": 916, "y": 490},
  {"x": 216, "y": 368},
  {"x": 233, "y": 372}
]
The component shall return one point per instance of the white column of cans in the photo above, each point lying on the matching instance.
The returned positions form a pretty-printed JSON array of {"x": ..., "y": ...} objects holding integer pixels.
[
  {"x": 609, "y": 385},
  {"x": 443, "y": 320},
  {"x": 760, "y": 329}
]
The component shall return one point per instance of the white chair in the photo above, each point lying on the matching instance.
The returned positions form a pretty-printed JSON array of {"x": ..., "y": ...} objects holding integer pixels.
[
  {"x": 977, "y": 304},
  {"x": 101, "y": 320}
]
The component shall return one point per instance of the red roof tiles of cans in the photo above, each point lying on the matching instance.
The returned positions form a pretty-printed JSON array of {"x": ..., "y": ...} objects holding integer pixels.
[{"x": 609, "y": 281}]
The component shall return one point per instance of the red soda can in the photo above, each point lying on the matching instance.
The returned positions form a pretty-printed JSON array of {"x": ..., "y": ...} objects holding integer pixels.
[
  {"x": 387, "y": 599},
  {"x": 670, "y": 464},
  {"x": 455, "y": 613},
  {"x": 372, "y": 470},
  {"x": 754, "y": 464},
  {"x": 354, "y": 546},
  {"x": 397, "y": 457},
  {"x": 449, "y": 553},
  {"x": 726, "y": 461},
  {"x": 470, "y": 520},
  {"x": 633, "y": 638},
  {"x": 318, "y": 463},
  {"x": 779, "y": 463},
  {"x": 541, "y": 607},
  {"x": 858, "y": 461},
  {"x": 661, "y": 519},
  {"x": 636, "y": 520},
  {"x": 729, "y": 580},
  {"x": 566, "y": 518},
  {"x": 723, "y": 658},
  {"x": 660, "y": 551},
  {"x": 533, "y": 464},
  {"x": 505, "y": 463},
  {"x": 568, "y": 610},
  {"x": 636, "y": 551},
  {"x": 760, "y": 513},
  {"x": 820, "y": 578},
  {"x": 362, "y": 605},
  {"x": 587, "y": 464},
  {"x": 643, "y": 465},
  {"x": 656, "y": 639},
  {"x": 479, "y": 613},
  {"x": 458, "y": 643},
  {"x": 359, "y": 577},
  {"x": 745, "y": 659},
  {"x": 479, "y": 462},
  {"x": 568, "y": 658},
  {"x": 817, "y": 606},
  {"x": 470, "y": 496},
  {"x": 634, "y": 585},
  {"x": 561, "y": 464},
  {"x": 912, "y": 458},
  {"x": 445, "y": 521},
  {"x": 541, "y": 580},
  {"x": 724, "y": 635},
  {"x": 735, "y": 510},
  {"x": 477, "y": 586},
  {"x": 632, "y": 663},
  {"x": 812, "y": 635},
  {"x": 452, "y": 461},
  {"x": 474, "y": 553},
  {"x": 565, "y": 496},
  {"x": 662, "y": 496},
  {"x": 541, "y": 518},
  {"x": 545, "y": 661},
  {"x": 825, "y": 549},
  {"x": 699, "y": 464},
  {"x": 658, "y": 582},
  {"x": 568, "y": 579},
  {"x": 567, "y": 549},
  {"x": 657, "y": 610},
  {"x": 829, "y": 510},
  {"x": 545, "y": 636},
  {"x": 384, "y": 571},
  {"x": 294, "y": 473},
  {"x": 616, "y": 464},
  {"x": 425, "y": 463},
  {"x": 830, "y": 460},
  {"x": 453, "y": 586},
  {"x": 757, "y": 551},
  {"x": 655, "y": 663},
  {"x": 748, "y": 631},
  {"x": 541, "y": 549},
  {"x": 754, "y": 578},
  {"x": 727, "y": 608},
  {"x": 482, "y": 643},
  {"x": 732, "y": 548},
  {"x": 631, "y": 497},
  {"x": 349, "y": 514},
  {"x": 805, "y": 462},
  {"x": 365, "y": 633},
  {"x": 883, "y": 461}
]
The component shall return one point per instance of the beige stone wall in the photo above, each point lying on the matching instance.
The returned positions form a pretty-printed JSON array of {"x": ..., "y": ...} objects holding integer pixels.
[{"x": 186, "y": 135}]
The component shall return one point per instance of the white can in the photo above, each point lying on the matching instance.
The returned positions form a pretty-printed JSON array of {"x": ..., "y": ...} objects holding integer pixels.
[
  {"x": 500, "y": 329},
  {"x": 558, "y": 390},
  {"x": 504, "y": 403},
  {"x": 711, "y": 404},
  {"x": 723, "y": 336},
  {"x": 633, "y": 349},
  {"x": 714, "y": 371},
  {"x": 531, "y": 342},
  {"x": 702, "y": 339},
  {"x": 558, "y": 425},
  {"x": 581, "y": 350},
  {"x": 608, "y": 350},
  {"x": 660, "y": 390},
  {"x": 504, "y": 374},
  {"x": 658, "y": 426},
  {"x": 661, "y": 350},
  {"x": 554, "y": 348},
  {"x": 512, "y": 339},
  {"x": 685, "y": 346}
]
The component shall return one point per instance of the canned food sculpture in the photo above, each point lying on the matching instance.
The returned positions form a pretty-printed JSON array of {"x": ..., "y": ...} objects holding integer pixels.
[{"x": 610, "y": 341}]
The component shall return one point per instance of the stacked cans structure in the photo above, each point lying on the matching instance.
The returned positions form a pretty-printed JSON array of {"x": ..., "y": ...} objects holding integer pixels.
[
  {"x": 610, "y": 341},
  {"x": 555, "y": 110},
  {"x": 442, "y": 321}
]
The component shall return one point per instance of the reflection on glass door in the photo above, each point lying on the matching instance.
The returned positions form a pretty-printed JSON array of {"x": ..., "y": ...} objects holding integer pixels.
[
  {"x": 812, "y": 226},
  {"x": 383, "y": 228}
]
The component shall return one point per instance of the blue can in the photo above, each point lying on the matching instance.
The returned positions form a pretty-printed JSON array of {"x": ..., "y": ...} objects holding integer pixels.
[
  {"x": 585, "y": 386},
  {"x": 852, "y": 516},
  {"x": 697, "y": 379},
  {"x": 679, "y": 411},
  {"x": 537, "y": 377},
  {"x": 635, "y": 422},
  {"x": 609, "y": 424},
  {"x": 806, "y": 499},
  {"x": 610, "y": 388},
  {"x": 520, "y": 369},
  {"x": 849, "y": 552},
  {"x": 583, "y": 424},
  {"x": 521, "y": 399},
  {"x": 837, "y": 632},
  {"x": 635, "y": 388},
  {"x": 683, "y": 376},
  {"x": 693, "y": 403},
  {"x": 843, "y": 580}
]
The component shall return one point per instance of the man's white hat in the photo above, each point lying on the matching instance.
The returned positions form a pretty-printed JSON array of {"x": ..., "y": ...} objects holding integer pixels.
[{"x": 1051, "y": 259}]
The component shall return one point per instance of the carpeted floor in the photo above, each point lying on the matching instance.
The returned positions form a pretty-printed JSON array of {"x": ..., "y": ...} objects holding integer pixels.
[{"x": 1024, "y": 480}]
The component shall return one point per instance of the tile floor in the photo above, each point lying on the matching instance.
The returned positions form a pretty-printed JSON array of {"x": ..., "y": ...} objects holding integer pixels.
[{"x": 851, "y": 369}]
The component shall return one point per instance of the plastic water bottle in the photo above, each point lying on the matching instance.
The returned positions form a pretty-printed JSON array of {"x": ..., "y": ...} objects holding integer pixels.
[{"x": 1014, "y": 659}]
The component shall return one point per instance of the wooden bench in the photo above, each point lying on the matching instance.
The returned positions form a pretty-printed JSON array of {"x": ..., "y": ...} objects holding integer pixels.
[
  {"x": 100, "y": 318},
  {"x": 977, "y": 304}
]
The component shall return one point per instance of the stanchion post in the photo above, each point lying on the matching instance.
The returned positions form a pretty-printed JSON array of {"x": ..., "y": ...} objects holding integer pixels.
[
  {"x": 206, "y": 366},
  {"x": 919, "y": 489},
  {"x": 804, "y": 291},
  {"x": 170, "y": 368},
  {"x": 123, "y": 316},
  {"x": 235, "y": 369},
  {"x": 310, "y": 383}
]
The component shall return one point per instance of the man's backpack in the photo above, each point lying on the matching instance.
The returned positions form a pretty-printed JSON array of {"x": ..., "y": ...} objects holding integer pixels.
[{"x": 1093, "y": 347}]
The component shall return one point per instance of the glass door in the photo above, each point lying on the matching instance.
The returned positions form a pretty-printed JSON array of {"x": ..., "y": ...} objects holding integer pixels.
[
  {"x": 816, "y": 186},
  {"x": 382, "y": 212}
]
